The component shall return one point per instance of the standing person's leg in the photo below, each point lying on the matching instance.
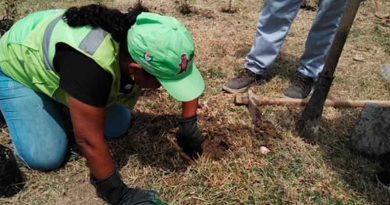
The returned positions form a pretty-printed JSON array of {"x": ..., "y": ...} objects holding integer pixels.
[
  {"x": 321, "y": 37},
  {"x": 35, "y": 123},
  {"x": 275, "y": 22},
  {"x": 317, "y": 47}
]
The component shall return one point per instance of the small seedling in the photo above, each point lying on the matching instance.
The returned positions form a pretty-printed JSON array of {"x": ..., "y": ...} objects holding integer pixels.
[
  {"x": 139, "y": 2},
  {"x": 185, "y": 7},
  {"x": 230, "y": 8},
  {"x": 310, "y": 5},
  {"x": 139, "y": 6}
]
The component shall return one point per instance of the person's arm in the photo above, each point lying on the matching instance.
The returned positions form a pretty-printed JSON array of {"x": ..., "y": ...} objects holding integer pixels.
[
  {"x": 88, "y": 87},
  {"x": 88, "y": 122},
  {"x": 189, "y": 136}
]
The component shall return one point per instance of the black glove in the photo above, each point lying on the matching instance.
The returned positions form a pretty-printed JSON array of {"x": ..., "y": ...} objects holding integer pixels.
[
  {"x": 115, "y": 192},
  {"x": 189, "y": 137}
]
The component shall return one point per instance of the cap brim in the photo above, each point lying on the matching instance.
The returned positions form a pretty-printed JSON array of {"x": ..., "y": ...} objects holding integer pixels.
[{"x": 185, "y": 89}]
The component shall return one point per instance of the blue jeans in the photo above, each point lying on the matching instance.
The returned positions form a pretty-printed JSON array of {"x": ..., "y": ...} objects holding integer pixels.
[
  {"x": 37, "y": 124},
  {"x": 275, "y": 22}
]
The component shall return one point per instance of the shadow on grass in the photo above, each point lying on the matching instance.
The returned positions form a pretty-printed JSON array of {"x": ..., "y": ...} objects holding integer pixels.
[
  {"x": 286, "y": 67},
  {"x": 148, "y": 140},
  {"x": 355, "y": 169}
]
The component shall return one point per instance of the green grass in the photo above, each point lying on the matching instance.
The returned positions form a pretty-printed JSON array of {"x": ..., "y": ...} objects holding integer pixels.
[{"x": 382, "y": 37}]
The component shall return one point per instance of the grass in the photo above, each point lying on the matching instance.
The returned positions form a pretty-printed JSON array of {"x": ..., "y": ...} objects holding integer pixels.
[
  {"x": 320, "y": 169},
  {"x": 382, "y": 36}
]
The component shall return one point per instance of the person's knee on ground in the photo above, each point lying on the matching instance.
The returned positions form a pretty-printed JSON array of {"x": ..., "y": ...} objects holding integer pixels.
[
  {"x": 35, "y": 125},
  {"x": 118, "y": 121},
  {"x": 46, "y": 153},
  {"x": 42, "y": 160}
]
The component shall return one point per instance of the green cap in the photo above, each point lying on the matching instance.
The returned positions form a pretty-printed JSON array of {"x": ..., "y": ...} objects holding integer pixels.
[{"x": 165, "y": 49}]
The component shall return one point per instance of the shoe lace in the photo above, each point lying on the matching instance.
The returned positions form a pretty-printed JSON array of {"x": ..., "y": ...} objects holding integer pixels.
[
  {"x": 243, "y": 76},
  {"x": 301, "y": 82},
  {"x": 248, "y": 74}
]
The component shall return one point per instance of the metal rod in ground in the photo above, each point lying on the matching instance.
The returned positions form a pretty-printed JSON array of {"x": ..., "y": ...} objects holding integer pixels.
[
  {"x": 182, "y": 154},
  {"x": 314, "y": 108}
]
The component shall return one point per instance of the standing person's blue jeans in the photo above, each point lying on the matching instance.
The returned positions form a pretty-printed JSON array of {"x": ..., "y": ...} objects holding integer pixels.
[
  {"x": 36, "y": 124},
  {"x": 275, "y": 22}
]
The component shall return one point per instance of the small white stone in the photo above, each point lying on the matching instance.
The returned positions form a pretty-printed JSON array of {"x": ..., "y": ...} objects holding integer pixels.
[
  {"x": 358, "y": 58},
  {"x": 264, "y": 150}
]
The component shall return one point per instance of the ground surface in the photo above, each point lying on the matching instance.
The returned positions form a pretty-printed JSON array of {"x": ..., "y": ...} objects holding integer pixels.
[{"x": 319, "y": 169}]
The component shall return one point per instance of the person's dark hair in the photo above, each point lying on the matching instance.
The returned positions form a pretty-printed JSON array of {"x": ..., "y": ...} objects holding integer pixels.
[
  {"x": 5, "y": 25},
  {"x": 111, "y": 20}
]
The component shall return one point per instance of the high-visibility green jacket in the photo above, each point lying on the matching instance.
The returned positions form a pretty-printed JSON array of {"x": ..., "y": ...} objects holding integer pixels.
[{"x": 27, "y": 51}]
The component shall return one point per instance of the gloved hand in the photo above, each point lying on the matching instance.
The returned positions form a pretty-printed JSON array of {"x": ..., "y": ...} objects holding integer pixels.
[
  {"x": 115, "y": 192},
  {"x": 189, "y": 137}
]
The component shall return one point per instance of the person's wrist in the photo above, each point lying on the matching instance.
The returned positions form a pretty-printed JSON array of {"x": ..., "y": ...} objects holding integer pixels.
[
  {"x": 190, "y": 108},
  {"x": 191, "y": 119}
]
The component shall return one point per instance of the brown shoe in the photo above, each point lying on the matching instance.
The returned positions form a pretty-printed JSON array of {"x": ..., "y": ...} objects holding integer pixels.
[
  {"x": 242, "y": 82},
  {"x": 300, "y": 88}
]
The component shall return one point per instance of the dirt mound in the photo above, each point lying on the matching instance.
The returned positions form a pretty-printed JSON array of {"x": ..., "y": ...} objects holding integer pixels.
[
  {"x": 220, "y": 139},
  {"x": 264, "y": 130},
  {"x": 216, "y": 146}
]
